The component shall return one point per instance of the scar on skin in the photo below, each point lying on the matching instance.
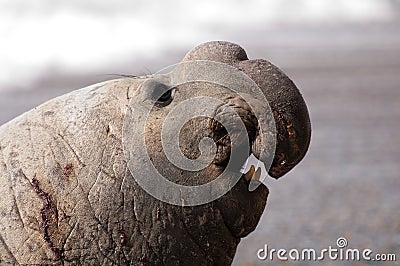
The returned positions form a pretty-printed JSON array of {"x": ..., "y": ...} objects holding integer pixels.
[
  {"x": 68, "y": 170},
  {"x": 292, "y": 137},
  {"x": 48, "y": 214},
  {"x": 122, "y": 236}
]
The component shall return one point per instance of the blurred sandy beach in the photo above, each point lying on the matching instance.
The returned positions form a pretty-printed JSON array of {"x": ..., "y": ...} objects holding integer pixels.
[{"x": 349, "y": 183}]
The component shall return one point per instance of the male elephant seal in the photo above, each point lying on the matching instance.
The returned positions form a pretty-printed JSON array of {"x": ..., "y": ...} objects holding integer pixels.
[{"x": 68, "y": 196}]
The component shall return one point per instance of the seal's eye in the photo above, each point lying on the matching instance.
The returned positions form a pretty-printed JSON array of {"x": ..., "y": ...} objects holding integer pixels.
[
  {"x": 156, "y": 92},
  {"x": 166, "y": 96}
]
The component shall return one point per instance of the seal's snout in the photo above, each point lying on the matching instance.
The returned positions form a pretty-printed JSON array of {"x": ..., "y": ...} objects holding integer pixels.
[
  {"x": 246, "y": 130},
  {"x": 293, "y": 128}
]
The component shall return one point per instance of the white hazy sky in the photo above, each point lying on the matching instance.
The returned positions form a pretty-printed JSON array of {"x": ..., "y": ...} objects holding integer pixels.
[{"x": 75, "y": 34}]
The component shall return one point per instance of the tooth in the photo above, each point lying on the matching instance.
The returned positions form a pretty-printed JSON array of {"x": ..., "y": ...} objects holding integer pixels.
[
  {"x": 256, "y": 177},
  {"x": 252, "y": 174},
  {"x": 249, "y": 175},
  {"x": 257, "y": 174}
]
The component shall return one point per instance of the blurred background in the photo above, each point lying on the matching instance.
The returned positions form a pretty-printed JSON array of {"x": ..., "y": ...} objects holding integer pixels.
[{"x": 344, "y": 55}]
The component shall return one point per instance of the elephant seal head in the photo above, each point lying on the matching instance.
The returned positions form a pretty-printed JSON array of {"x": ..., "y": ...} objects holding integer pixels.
[{"x": 200, "y": 120}]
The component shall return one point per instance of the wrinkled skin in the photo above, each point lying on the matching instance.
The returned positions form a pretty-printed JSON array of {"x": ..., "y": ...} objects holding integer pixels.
[{"x": 68, "y": 197}]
